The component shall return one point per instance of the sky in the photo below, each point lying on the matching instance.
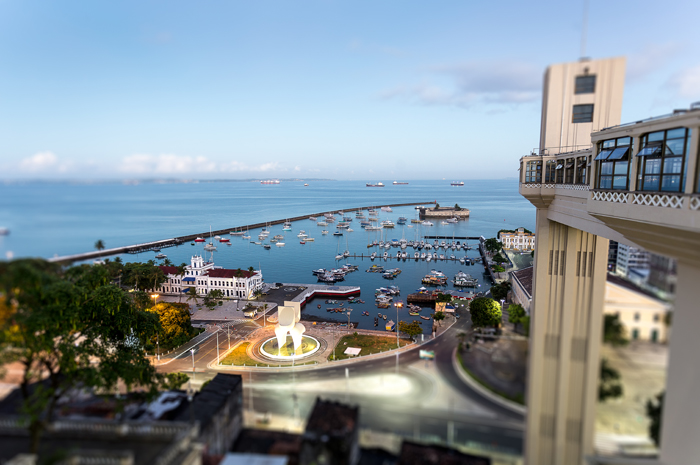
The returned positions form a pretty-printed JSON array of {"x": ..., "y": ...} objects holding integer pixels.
[{"x": 364, "y": 90}]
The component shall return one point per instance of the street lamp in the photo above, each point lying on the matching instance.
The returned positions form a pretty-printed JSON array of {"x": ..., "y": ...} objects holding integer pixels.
[
  {"x": 348, "y": 315},
  {"x": 398, "y": 305},
  {"x": 193, "y": 372},
  {"x": 155, "y": 302}
]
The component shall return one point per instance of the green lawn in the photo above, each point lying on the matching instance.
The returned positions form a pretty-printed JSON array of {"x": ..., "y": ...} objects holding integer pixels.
[
  {"x": 238, "y": 356},
  {"x": 368, "y": 344}
]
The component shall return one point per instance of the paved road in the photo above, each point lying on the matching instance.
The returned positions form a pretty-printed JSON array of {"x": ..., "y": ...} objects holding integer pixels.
[{"x": 464, "y": 417}]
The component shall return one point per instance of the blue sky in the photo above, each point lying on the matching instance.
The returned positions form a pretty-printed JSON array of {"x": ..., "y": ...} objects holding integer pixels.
[{"x": 361, "y": 90}]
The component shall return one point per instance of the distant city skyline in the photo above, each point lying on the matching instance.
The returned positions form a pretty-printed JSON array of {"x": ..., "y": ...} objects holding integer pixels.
[{"x": 322, "y": 89}]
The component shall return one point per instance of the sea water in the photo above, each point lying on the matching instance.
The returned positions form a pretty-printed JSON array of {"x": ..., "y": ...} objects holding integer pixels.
[{"x": 48, "y": 219}]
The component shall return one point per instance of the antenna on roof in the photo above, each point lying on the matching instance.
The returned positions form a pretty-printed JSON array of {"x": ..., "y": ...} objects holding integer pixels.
[{"x": 584, "y": 27}]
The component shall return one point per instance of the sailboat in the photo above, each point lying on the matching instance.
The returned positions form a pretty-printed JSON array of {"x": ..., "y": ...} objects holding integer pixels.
[
  {"x": 247, "y": 234},
  {"x": 210, "y": 247}
]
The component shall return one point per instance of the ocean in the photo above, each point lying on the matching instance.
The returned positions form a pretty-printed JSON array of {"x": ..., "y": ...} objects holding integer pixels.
[{"x": 49, "y": 219}]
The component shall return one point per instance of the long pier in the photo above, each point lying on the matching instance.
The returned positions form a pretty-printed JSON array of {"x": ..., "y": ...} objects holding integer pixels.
[{"x": 175, "y": 241}]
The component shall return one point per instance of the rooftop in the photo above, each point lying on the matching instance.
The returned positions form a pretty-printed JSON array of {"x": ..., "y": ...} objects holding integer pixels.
[{"x": 332, "y": 418}]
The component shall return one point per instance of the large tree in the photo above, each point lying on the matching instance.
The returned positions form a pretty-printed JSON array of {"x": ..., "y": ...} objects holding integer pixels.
[
  {"x": 500, "y": 291},
  {"x": 175, "y": 324},
  {"x": 493, "y": 245},
  {"x": 654, "y": 412},
  {"x": 609, "y": 385},
  {"x": 439, "y": 316},
  {"x": 411, "y": 329},
  {"x": 614, "y": 330},
  {"x": 516, "y": 313},
  {"x": 70, "y": 329},
  {"x": 485, "y": 312}
]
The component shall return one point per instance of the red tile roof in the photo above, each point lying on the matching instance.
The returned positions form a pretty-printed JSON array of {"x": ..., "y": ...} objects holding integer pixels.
[
  {"x": 230, "y": 273},
  {"x": 168, "y": 269}
]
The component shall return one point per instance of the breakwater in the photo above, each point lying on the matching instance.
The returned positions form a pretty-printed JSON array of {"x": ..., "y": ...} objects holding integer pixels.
[{"x": 175, "y": 241}]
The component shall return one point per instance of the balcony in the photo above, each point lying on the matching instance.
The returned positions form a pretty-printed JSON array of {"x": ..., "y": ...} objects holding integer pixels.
[{"x": 639, "y": 180}]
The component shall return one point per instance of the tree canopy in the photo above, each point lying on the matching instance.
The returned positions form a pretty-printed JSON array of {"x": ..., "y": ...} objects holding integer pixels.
[
  {"x": 500, "y": 291},
  {"x": 439, "y": 316},
  {"x": 411, "y": 329},
  {"x": 175, "y": 324},
  {"x": 516, "y": 314},
  {"x": 493, "y": 245},
  {"x": 71, "y": 328},
  {"x": 485, "y": 312},
  {"x": 614, "y": 330},
  {"x": 609, "y": 385},
  {"x": 654, "y": 410},
  {"x": 211, "y": 299}
]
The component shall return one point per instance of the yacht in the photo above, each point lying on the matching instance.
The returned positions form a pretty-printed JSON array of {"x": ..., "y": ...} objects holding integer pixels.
[
  {"x": 324, "y": 232},
  {"x": 161, "y": 256},
  {"x": 322, "y": 223},
  {"x": 280, "y": 244},
  {"x": 287, "y": 226},
  {"x": 386, "y": 209},
  {"x": 379, "y": 184},
  {"x": 457, "y": 183},
  {"x": 237, "y": 233},
  {"x": 337, "y": 233},
  {"x": 313, "y": 218}
]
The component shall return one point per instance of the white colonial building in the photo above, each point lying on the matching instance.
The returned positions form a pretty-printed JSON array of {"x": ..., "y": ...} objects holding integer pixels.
[
  {"x": 205, "y": 277},
  {"x": 518, "y": 240}
]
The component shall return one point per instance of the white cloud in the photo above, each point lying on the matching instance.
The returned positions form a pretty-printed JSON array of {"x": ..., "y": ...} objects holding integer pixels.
[
  {"x": 297, "y": 168},
  {"x": 474, "y": 83},
  {"x": 40, "y": 161},
  {"x": 171, "y": 164},
  {"x": 686, "y": 83}
]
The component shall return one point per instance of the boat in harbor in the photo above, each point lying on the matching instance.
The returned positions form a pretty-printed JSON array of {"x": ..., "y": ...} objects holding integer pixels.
[
  {"x": 287, "y": 226},
  {"x": 237, "y": 233},
  {"x": 322, "y": 223},
  {"x": 324, "y": 232},
  {"x": 397, "y": 183},
  {"x": 425, "y": 317},
  {"x": 379, "y": 184},
  {"x": 338, "y": 233},
  {"x": 390, "y": 325},
  {"x": 280, "y": 244},
  {"x": 267, "y": 246},
  {"x": 457, "y": 183},
  {"x": 200, "y": 239},
  {"x": 224, "y": 240},
  {"x": 313, "y": 218},
  {"x": 161, "y": 256}
]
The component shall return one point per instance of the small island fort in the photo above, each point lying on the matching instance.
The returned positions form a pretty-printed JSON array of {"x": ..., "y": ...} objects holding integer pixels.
[{"x": 444, "y": 212}]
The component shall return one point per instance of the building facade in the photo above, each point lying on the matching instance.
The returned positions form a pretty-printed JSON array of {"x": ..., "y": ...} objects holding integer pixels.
[
  {"x": 578, "y": 99},
  {"x": 518, "y": 240},
  {"x": 521, "y": 287},
  {"x": 631, "y": 258},
  {"x": 204, "y": 277},
  {"x": 637, "y": 184},
  {"x": 642, "y": 315}
]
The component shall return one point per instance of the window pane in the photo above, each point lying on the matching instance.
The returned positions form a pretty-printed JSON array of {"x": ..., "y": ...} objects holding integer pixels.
[
  {"x": 652, "y": 166},
  {"x": 585, "y": 84},
  {"x": 673, "y": 165},
  {"x": 649, "y": 151},
  {"x": 620, "y": 182},
  {"x": 606, "y": 168},
  {"x": 651, "y": 183},
  {"x": 671, "y": 183},
  {"x": 608, "y": 143},
  {"x": 605, "y": 182},
  {"x": 621, "y": 167},
  {"x": 674, "y": 147},
  {"x": 603, "y": 155},
  {"x": 619, "y": 153},
  {"x": 583, "y": 114},
  {"x": 652, "y": 136},
  {"x": 624, "y": 141},
  {"x": 675, "y": 133}
]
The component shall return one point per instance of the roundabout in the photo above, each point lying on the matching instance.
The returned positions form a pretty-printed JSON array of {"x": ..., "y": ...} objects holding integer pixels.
[{"x": 309, "y": 346}]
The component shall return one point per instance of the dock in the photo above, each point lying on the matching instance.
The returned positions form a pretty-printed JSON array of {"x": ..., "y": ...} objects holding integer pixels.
[{"x": 175, "y": 241}]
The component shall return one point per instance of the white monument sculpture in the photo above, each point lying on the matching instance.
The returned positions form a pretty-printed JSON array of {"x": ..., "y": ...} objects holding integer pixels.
[{"x": 288, "y": 317}]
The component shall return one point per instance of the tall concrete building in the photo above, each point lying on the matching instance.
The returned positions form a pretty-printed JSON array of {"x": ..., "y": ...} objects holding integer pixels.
[
  {"x": 578, "y": 99},
  {"x": 630, "y": 257},
  {"x": 637, "y": 184}
]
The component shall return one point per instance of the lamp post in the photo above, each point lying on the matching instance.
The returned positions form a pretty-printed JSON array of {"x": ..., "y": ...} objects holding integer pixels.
[
  {"x": 193, "y": 372},
  {"x": 348, "y": 315},
  {"x": 217, "y": 345},
  {"x": 398, "y": 305},
  {"x": 155, "y": 302}
]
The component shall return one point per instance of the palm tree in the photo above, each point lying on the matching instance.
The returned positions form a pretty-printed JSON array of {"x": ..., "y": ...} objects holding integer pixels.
[
  {"x": 99, "y": 245},
  {"x": 181, "y": 272},
  {"x": 167, "y": 262},
  {"x": 192, "y": 295}
]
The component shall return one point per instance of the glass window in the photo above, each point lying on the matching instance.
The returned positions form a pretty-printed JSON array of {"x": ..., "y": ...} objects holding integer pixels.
[
  {"x": 613, "y": 164},
  {"x": 585, "y": 84},
  {"x": 533, "y": 171},
  {"x": 663, "y": 160},
  {"x": 582, "y": 114},
  {"x": 550, "y": 169}
]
